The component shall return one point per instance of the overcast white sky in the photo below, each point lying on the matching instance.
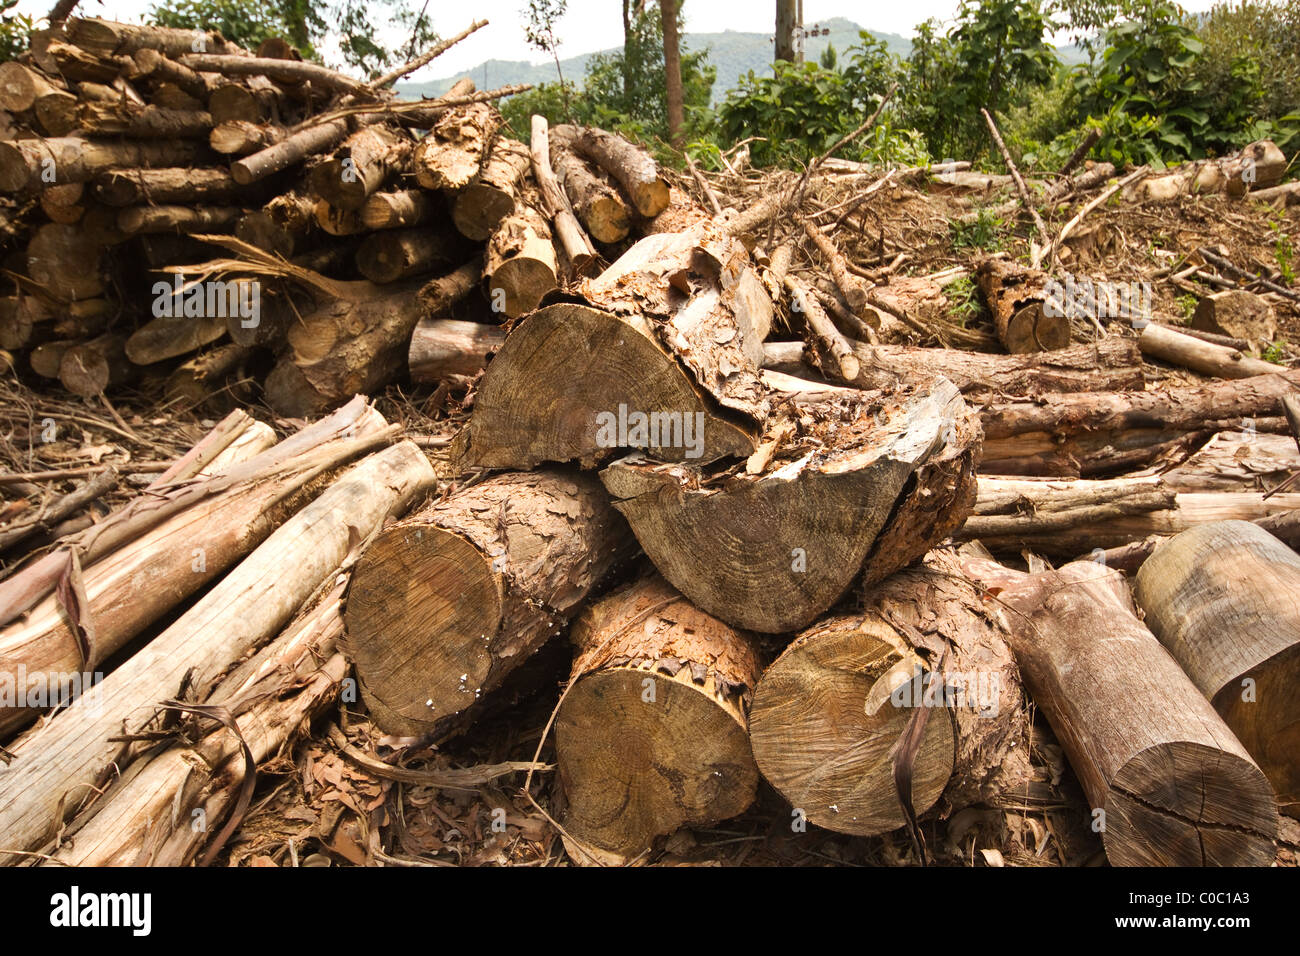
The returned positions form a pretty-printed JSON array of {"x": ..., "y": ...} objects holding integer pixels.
[{"x": 597, "y": 24}]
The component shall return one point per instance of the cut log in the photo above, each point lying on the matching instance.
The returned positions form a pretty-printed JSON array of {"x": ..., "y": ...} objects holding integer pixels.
[
  {"x": 1172, "y": 346},
  {"x": 280, "y": 226},
  {"x": 51, "y": 772},
  {"x": 573, "y": 239},
  {"x": 240, "y": 137},
  {"x": 290, "y": 151},
  {"x": 21, "y": 87},
  {"x": 57, "y": 112},
  {"x": 360, "y": 166},
  {"x": 479, "y": 208},
  {"x": 629, "y": 165},
  {"x": 1256, "y": 166},
  {"x": 651, "y": 732},
  {"x": 282, "y": 71},
  {"x": 444, "y": 604},
  {"x": 520, "y": 265},
  {"x": 771, "y": 551},
  {"x": 1091, "y": 434},
  {"x": 336, "y": 221},
  {"x": 1168, "y": 782},
  {"x": 924, "y": 647},
  {"x": 450, "y": 155},
  {"x": 26, "y": 164},
  {"x": 161, "y": 70},
  {"x": 595, "y": 201},
  {"x": 1224, "y": 598},
  {"x": 148, "y": 122},
  {"x": 1109, "y": 364},
  {"x": 46, "y": 358},
  {"x": 197, "y": 381},
  {"x": 129, "y": 187},
  {"x": 109, "y": 38},
  {"x": 149, "y": 220},
  {"x": 823, "y": 330},
  {"x": 88, "y": 369},
  {"x": 451, "y": 350},
  {"x": 399, "y": 254},
  {"x": 1238, "y": 313},
  {"x": 134, "y": 572},
  {"x": 1022, "y": 316},
  {"x": 168, "y": 337},
  {"x": 63, "y": 259},
  {"x": 437, "y": 297},
  {"x": 252, "y": 100},
  {"x": 410, "y": 207},
  {"x": 565, "y": 365}
]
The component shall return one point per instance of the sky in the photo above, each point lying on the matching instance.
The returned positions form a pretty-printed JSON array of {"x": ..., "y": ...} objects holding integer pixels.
[{"x": 592, "y": 25}]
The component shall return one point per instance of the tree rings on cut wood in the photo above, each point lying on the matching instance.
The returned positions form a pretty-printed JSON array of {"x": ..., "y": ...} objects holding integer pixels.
[{"x": 1022, "y": 315}]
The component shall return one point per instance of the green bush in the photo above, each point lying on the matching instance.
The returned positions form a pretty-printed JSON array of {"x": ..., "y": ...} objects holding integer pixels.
[{"x": 14, "y": 30}]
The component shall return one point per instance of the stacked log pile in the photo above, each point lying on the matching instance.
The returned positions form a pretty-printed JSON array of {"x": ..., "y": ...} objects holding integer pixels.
[{"x": 786, "y": 540}]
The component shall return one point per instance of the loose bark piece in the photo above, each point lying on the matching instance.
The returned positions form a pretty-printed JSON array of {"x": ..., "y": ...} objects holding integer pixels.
[
  {"x": 52, "y": 773},
  {"x": 771, "y": 552},
  {"x": 1224, "y": 598},
  {"x": 630, "y": 166},
  {"x": 1017, "y": 299},
  {"x": 651, "y": 733},
  {"x": 443, "y": 605},
  {"x": 829, "y": 712},
  {"x": 1176, "y": 787}
]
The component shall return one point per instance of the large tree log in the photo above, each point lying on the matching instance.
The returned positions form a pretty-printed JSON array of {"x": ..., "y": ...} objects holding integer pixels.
[
  {"x": 771, "y": 547},
  {"x": 52, "y": 773},
  {"x": 129, "y": 187},
  {"x": 565, "y": 365},
  {"x": 385, "y": 257},
  {"x": 479, "y": 208},
  {"x": 520, "y": 265},
  {"x": 360, "y": 166},
  {"x": 450, "y": 155},
  {"x": 202, "y": 378},
  {"x": 25, "y": 164},
  {"x": 651, "y": 732},
  {"x": 109, "y": 38},
  {"x": 65, "y": 260},
  {"x": 1113, "y": 363},
  {"x": 1224, "y": 598},
  {"x": 410, "y": 207},
  {"x": 1168, "y": 783},
  {"x": 1095, "y": 433},
  {"x": 631, "y": 167},
  {"x": 443, "y": 605},
  {"x": 595, "y": 201},
  {"x": 926, "y": 646},
  {"x": 1021, "y": 313},
  {"x": 451, "y": 350},
  {"x": 134, "y": 571}
]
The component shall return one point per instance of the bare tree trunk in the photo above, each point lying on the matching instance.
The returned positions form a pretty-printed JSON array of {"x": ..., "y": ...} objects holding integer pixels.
[
  {"x": 786, "y": 15},
  {"x": 668, "y": 11}
]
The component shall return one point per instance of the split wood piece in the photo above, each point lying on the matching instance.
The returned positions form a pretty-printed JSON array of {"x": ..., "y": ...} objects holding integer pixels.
[
  {"x": 519, "y": 266},
  {"x": 479, "y": 208},
  {"x": 631, "y": 167},
  {"x": 202, "y": 377},
  {"x": 1258, "y": 165},
  {"x": 1236, "y": 461},
  {"x": 593, "y": 198},
  {"x": 573, "y": 238},
  {"x": 1176, "y": 348},
  {"x": 108, "y": 38},
  {"x": 360, "y": 166},
  {"x": 76, "y": 65},
  {"x": 770, "y": 552},
  {"x": 451, "y": 153},
  {"x": 90, "y": 368},
  {"x": 651, "y": 734},
  {"x": 240, "y": 137},
  {"x": 21, "y": 87},
  {"x": 134, "y": 572},
  {"x": 437, "y": 297},
  {"x": 1176, "y": 786},
  {"x": 449, "y": 350},
  {"x": 830, "y": 712},
  {"x": 69, "y": 159},
  {"x": 444, "y": 604},
  {"x": 54, "y": 772},
  {"x": 1109, "y": 364},
  {"x": 281, "y": 226},
  {"x": 820, "y": 325},
  {"x": 148, "y": 122},
  {"x": 1238, "y": 313},
  {"x": 1088, "y": 434},
  {"x": 289, "y": 151},
  {"x": 336, "y": 221},
  {"x": 385, "y": 257},
  {"x": 129, "y": 187},
  {"x": 146, "y": 820},
  {"x": 1224, "y": 598},
  {"x": 152, "y": 220},
  {"x": 282, "y": 71},
  {"x": 397, "y": 210},
  {"x": 63, "y": 259},
  {"x": 1022, "y": 315}
]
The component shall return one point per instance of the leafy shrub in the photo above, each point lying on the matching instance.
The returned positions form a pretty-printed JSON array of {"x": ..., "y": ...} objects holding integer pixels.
[{"x": 14, "y": 30}]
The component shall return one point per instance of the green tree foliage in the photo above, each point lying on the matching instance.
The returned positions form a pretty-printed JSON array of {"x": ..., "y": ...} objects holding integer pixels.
[
  {"x": 14, "y": 28},
  {"x": 355, "y": 25}
]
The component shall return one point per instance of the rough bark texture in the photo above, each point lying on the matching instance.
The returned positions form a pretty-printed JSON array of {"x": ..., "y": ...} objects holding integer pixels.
[
  {"x": 385, "y": 257},
  {"x": 595, "y": 200},
  {"x": 444, "y": 604},
  {"x": 1224, "y": 598},
  {"x": 1016, "y": 297},
  {"x": 652, "y": 731},
  {"x": 450, "y": 155},
  {"x": 451, "y": 350},
  {"x": 630, "y": 166},
  {"x": 479, "y": 208},
  {"x": 520, "y": 265}
]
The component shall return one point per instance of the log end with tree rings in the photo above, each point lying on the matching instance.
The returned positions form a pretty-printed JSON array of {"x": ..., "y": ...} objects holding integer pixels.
[
  {"x": 824, "y": 727},
  {"x": 652, "y": 732}
]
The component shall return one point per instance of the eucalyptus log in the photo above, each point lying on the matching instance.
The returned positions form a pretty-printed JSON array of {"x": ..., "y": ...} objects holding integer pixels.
[
  {"x": 631, "y": 167},
  {"x": 1176, "y": 348},
  {"x": 1167, "y": 781},
  {"x": 167, "y": 336},
  {"x": 596, "y": 202},
  {"x": 198, "y": 380},
  {"x": 26, "y": 164},
  {"x": 147, "y": 220},
  {"x": 1224, "y": 598},
  {"x": 241, "y": 137},
  {"x": 360, "y": 165},
  {"x": 289, "y": 151},
  {"x": 337, "y": 221},
  {"x": 438, "y": 296},
  {"x": 90, "y": 368},
  {"x": 479, "y": 208},
  {"x": 651, "y": 733},
  {"x": 451, "y": 350},
  {"x": 281, "y": 226},
  {"x": 520, "y": 265},
  {"x": 148, "y": 122},
  {"x": 396, "y": 210},
  {"x": 63, "y": 259},
  {"x": 51, "y": 773},
  {"x": 129, "y": 187},
  {"x": 443, "y": 605},
  {"x": 1023, "y": 317},
  {"x": 109, "y": 38},
  {"x": 450, "y": 154},
  {"x": 388, "y": 256},
  {"x": 831, "y": 712},
  {"x": 21, "y": 86},
  {"x": 573, "y": 238}
]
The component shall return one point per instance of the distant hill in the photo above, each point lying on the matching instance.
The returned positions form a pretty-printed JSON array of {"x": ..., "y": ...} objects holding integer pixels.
[{"x": 734, "y": 54}]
